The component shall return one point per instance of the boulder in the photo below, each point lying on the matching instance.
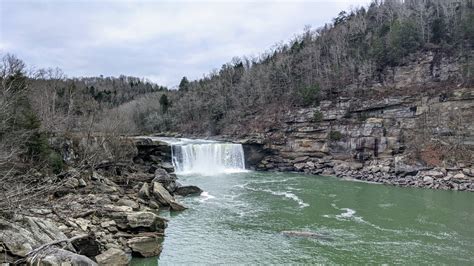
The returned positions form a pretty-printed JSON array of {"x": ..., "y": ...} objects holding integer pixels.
[
  {"x": 71, "y": 183},
  {"x": 162, "y": 176},
  {"x": 459, "y": 176},
  {"x": 168, "y": 180},
  {"x": 83, "y": 224},
  {"x": 145, "y": 246},
  {"x": 434, "y": 173},
  {"x": 299, "y": 166},
  {"x": 113, "y": 256},
  {"x": 115, "y": 208},
  {"x": 171, "y": 186},
  {"x": 175, "y": 206},
  {"x": 168, "y": 167},
  {"x": 427, "y": 179},
  {"x": 130, "y": 203},
  {"x": 405, "y": 169},
  {"x": 301, "y": 159},
  {"x": 108, "y": 223},
  {"x": 161, "y": 194},
  {"x": 468, "y": 171},
  {"x": 137, "y": 221},
  {"x": 144, "y": 192},
  {"x": 148, "y": 220},
  {"x": 22, "y": 236},
  {"x": 58, "y": 256},
  {"x": 356, "y": 166},
  {"x": 82, "y": 183},
  {"x": 188, "y": 190},
  {"x": 96, "y": 176}
]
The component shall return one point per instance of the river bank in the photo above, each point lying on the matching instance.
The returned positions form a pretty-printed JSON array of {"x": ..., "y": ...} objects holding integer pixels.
[
  {"x": 97, "y": 214},
  {"x": 396, "y": 170}
]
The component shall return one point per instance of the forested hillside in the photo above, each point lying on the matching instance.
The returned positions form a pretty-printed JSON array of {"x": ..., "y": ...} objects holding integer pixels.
[
  {"x": 36, "y": 105},
  {"x": 354, "y": 56}
]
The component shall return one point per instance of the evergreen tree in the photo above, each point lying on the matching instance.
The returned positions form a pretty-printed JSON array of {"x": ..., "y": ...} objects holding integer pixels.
[
  {"x": 184, "y": 84},
  {"x": 164, "y": 103}
]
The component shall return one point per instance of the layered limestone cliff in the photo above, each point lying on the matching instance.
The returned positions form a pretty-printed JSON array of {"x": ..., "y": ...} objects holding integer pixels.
[{"x": 413, "y": 128}]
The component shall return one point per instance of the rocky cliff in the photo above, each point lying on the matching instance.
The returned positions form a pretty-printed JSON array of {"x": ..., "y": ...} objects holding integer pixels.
[{"x": 415, "y": 127}]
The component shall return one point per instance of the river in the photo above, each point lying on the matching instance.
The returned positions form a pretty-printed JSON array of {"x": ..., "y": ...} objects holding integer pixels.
[{"x": 240, "y": 217}]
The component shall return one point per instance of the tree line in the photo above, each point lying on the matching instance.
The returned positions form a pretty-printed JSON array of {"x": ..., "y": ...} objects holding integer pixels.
[{"x": 343, "y": 58}]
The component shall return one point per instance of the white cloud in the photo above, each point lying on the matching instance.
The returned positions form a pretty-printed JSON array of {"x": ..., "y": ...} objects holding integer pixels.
[{"x": 159, "y": 40}]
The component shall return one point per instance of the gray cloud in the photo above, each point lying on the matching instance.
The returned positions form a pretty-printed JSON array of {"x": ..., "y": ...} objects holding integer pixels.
[{"x": 159, "y": 40}]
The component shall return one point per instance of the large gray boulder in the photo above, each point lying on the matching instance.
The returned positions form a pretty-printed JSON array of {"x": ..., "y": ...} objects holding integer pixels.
[
  {"x": 113, "y": 256},
  {"x": 137, "y": 221},
  {"x": 188, "y": 190},
  {"x": 144, "y": 192},
  {"x": 145, "y": 246},
  {"x": 166, "y": 179},
  {"x": 175, "y": 206},
  {"x": 164, "y": 197},
  {"x": 161, "y": 194},
  {"x": 129, "y": 203},
  {"x": 404, "y": 169},
  {"x": 145, "y": 220},
  {"x": 162, "y": 176},
  {"x": 22, "y": 236},
  {"x": 58, "y": 256}
]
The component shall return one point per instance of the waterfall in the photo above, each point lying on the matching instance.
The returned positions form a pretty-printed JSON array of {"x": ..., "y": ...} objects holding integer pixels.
[{"x": 206, "y": 157}]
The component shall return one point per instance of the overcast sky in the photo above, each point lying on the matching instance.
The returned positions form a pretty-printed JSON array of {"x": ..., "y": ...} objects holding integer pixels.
[{"x": 158, "y": 40}]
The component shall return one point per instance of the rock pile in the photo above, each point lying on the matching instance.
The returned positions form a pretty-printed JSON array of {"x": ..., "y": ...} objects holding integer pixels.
[{"x": 113, "y": 208}]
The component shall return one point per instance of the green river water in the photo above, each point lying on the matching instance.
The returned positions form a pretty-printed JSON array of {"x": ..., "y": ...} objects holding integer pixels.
[{"x": 240, "y": 217}]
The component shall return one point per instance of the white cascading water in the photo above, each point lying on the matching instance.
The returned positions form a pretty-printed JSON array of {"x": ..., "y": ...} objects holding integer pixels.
[{"x": 206, "y": 157}]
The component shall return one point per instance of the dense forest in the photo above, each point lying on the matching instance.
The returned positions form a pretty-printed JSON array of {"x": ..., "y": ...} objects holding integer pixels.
[{"x": 344, "y": 58}]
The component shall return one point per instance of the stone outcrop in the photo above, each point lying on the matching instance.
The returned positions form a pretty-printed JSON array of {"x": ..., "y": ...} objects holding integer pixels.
[
  {"x": 114, "y": 204},
  {"x": 378, "y": 140}
]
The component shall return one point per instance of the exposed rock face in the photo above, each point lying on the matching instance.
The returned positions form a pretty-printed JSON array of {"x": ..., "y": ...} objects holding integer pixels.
[
  {"x": 415, "y": 117},
  {"x": 379, "y": 135}
]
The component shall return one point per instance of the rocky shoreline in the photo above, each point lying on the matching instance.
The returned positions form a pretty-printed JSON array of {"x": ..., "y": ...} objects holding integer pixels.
[
  {"x": 390, "y": 171},
  {"x": 101, "y": 216},
  {"x": 385, "y": 172}
]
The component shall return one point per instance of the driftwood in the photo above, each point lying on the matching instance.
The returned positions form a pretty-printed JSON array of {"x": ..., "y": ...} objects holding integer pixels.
[{"x": 35, "y": 253}]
